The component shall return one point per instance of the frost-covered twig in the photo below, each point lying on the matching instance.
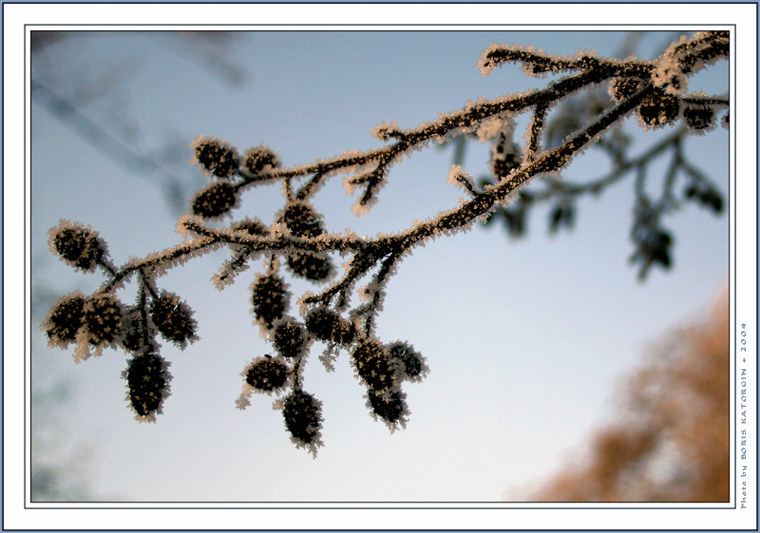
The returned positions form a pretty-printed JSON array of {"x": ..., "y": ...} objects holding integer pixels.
[{"x": 297, "y": 242}]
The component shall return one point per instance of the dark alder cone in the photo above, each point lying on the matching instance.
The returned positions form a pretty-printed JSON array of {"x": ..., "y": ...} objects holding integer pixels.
[
  {"x": 147, "y": 380},
  {"x": 260, "y": 158},
  {"x": 373, "y": 365},
  {"x": 699, "y": 117},
  {"x": 388, "y": 405},
  {"x": 173, "y": 318},
  {"x": 327, "y": 325},
  {"x": 252, "y": 227},
  {"x": 78, "y": 247},
  {"x": 102, "y": 318},
  {"x": 410, "y": 362},
  {"x": 659, "y": 109},
  {"x": 64, "y": 319},
  {"x": 706, "y": 196},
  {"x": 132, "y": 330},
  {"x": 270, "y": 299},
  {"x": 216, "y": 157},
  {"x": 622, "y": 88},
  {"x": 214, "y": 200},
  {"x": 289, "y": 338},
  {"x": 310, "y": 267},
  {"x": 302, "y": 220},
  {"x": 303, "y": 416},
  {"x": 266, "y": 374}
]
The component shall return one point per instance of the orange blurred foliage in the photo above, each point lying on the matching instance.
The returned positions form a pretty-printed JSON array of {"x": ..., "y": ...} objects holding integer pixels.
[{"x": 670, "y": 442}]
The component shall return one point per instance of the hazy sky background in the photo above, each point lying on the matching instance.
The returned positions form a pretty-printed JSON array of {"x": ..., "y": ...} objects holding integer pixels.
[{"x": 526, "y": 339}]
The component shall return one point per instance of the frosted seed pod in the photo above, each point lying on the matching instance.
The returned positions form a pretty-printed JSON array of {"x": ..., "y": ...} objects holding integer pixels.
[
  {"x": 310, "y": 267},
  {"x": 267, "y": 373},
  {"x": 132, "y": 330},
  {"x": 327, "y": 325},
  {"x": 147, "y": 380},
  {"x": 289, "y": 338},
  {"x": 303, "y": 417},
  {"x": 410, "y": 364},
  {"x": 302, "y": 220},
  {"x": 388, "y": 405},
  {"x": 64, "y": 320},
  {"x": 659, "y": 109},
  {"x": 215, "y": 157},
  {"x": 76, "y": 245},
  {"x": 269, "y": 299},
  {"x": 373, "y": 365},
  {"x": 102, "y": 318},
  {"x": 173, "y": 319},
  {"x": 252, "y": 227},
  {"x": 699, "y": 117},
  {"x": 260, "y": 158},
  {"x": 214, "y": 200}
]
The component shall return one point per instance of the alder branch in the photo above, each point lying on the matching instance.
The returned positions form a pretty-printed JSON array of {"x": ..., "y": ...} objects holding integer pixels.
[{"x": 298, "y": 244}]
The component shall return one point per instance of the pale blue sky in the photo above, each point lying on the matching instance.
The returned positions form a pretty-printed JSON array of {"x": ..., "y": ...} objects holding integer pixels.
[{"x": 526, "y": 340}]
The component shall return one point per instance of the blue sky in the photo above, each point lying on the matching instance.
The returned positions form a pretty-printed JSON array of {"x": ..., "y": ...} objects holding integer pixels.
[{"x": 526, "y": 340}]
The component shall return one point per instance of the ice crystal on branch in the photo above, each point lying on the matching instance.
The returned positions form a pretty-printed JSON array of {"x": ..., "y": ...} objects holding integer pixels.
[{"x": 583, "y": 106}]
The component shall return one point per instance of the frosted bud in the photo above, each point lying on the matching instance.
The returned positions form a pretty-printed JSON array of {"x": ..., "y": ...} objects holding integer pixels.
[
  {"x": 76, "y": 245},
  {"x": 64, "y": 320},
  {"x": 289, "y": 338},
  {"x": 214, "y": 200},
  {"x": 310, "y": 267},
  {"x": 215, "y": 157},
  {"x": 388, "y": 405},
  {"x": 325, "y": 324},
  {"x": 659, "y": 109},
  {"x": 410, "y": 363},
  {"x": 302, "y": 219},
  {"x": 102, "y": 318},
  {"x": 373, "y": 364},
  {"x": 260, "y": 158},
  {"x": 267, "y": 373},
  {"x": 252, "y": 227},
  {"x": 148, "y": 383},
  {"x": 699, "y": 117},
  {"x": 173, "y": 319},
  {"x": 303, "y": 418},
  {"x": 269, "y": 299},
  {"x": 133, "y": 330}
]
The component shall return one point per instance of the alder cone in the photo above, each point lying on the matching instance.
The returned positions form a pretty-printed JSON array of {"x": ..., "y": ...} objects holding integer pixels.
[
  {"x": 302, "y": 414},
  {"x": 215, "y": 200},
  {"x": 270, "y": 299},
  {"x": 147, "y": 382},
  {"x": 267, "y": 374},
  {"x": 373, "y": 364}
]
